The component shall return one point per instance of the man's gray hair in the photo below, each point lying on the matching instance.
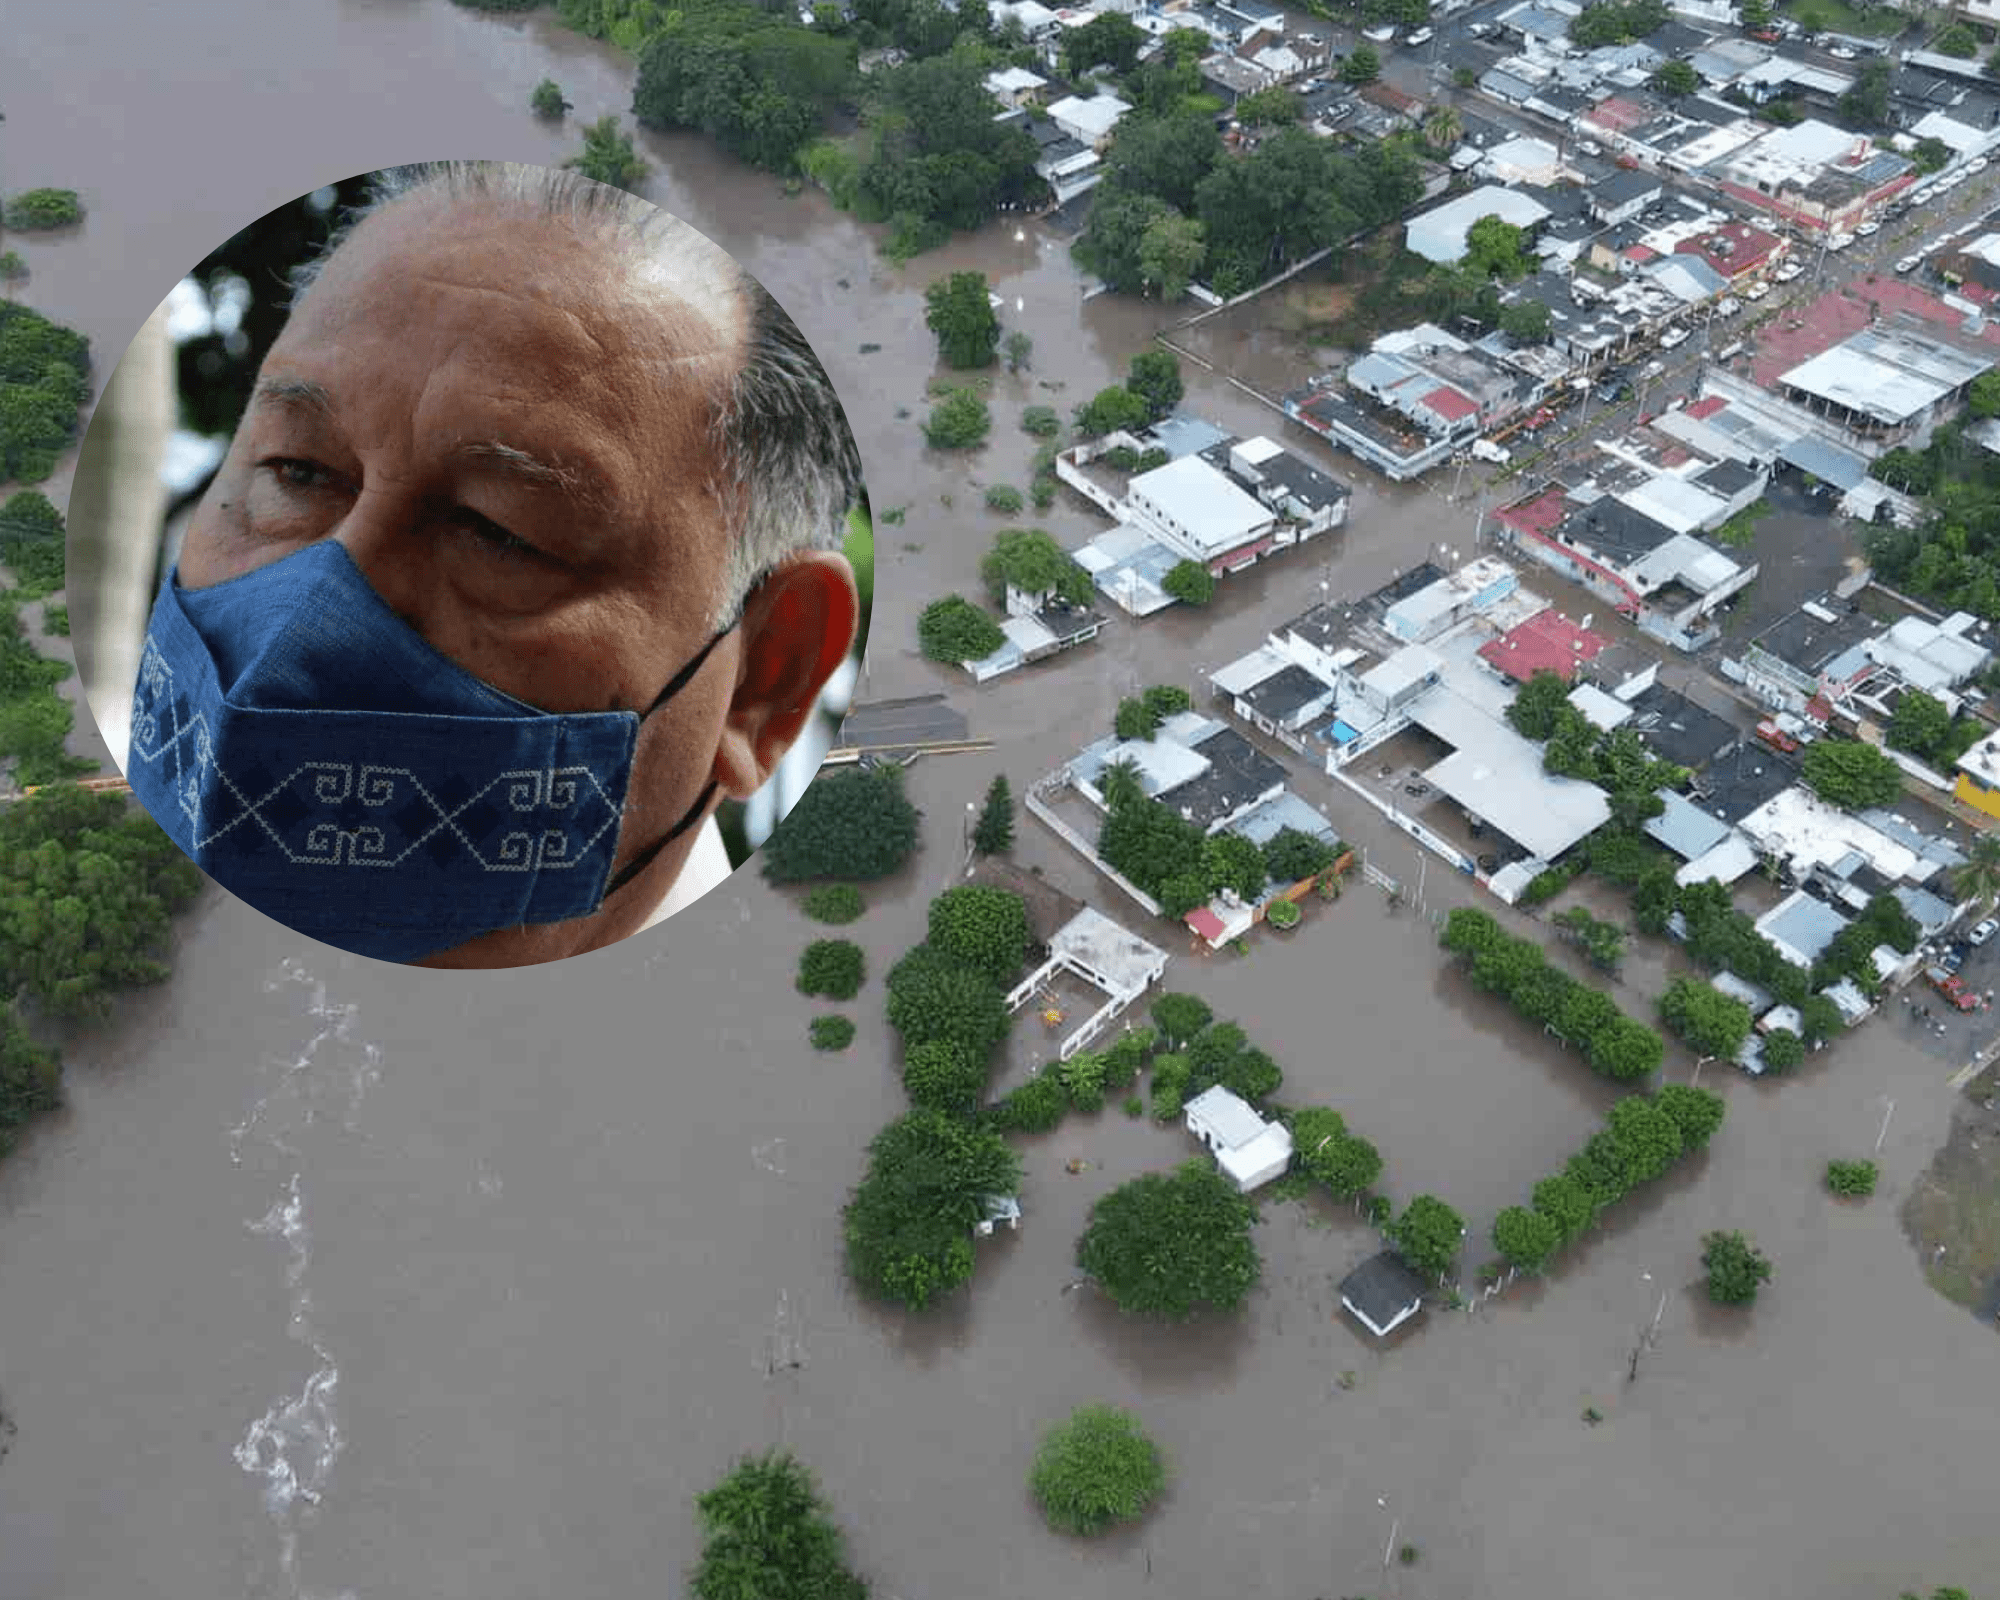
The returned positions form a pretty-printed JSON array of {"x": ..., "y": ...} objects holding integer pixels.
[{"x": 791, "y": 470}]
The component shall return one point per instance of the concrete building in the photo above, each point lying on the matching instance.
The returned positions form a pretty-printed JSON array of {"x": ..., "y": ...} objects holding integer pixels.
[
  {"x": 1886, "y": 385},
  {"x": 1820, "y": 178},
  {"x": 1089, "y": 121},
  {"x": 1250, "y": 1151},
  {"x": 1114, "y": 961},
  {"x": 1978, "y": 780},
  {"x": 1439, "y": 234}
]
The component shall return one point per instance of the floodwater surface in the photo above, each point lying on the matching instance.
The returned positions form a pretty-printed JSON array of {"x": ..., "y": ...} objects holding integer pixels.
[{"x": 338, "y": 1279}]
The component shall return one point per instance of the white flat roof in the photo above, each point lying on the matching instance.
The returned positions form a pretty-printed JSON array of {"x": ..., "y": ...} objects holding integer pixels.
[
  {"x": 1497, "y": 776},
  {"x": 1886, "y": 373},
  {"x": 1214, "y": 514},
  {"x": 1096, "y": 116},
  {"x": 1227, "y": 1115},
  {"x": 1807, "y": 832},
  {"x": 1602, "y": 710}
]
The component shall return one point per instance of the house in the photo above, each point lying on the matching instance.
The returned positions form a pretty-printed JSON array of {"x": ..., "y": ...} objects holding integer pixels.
[
  {"x": 1067, "y": 165},
  {"x": 1198, "y": 511},
  {"x": 1978, "y": 780},
  {"x": 1250, "y": 1151},
  {"x": 1382, "y": 1293},
  {"x": 1546, "y": 642},
  {"x": 1440, "y": 234},
  {"x": 1820, "y": 178},
  {"x": 1037, "y": 626},
  {"x": 1015, "y": 87},
  {"x": 1102, "y": 953},
  {"x": 1524, "y": 160},
  {"x": 1206, "y": 772},
  {"x": 1795, "y": 662},
  {"x": 1735, "y": 251},
  {"x": 1624, "y": 195},
  {"x": 1089, "y": 122},
  {"x": 1885, "y": 385}
]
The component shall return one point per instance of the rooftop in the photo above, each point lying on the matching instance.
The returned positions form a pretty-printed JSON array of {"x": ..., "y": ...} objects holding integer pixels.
[
  {"x": 1678, "y": 730},
  {"x": 1816, "y": 635},
  {"x": 1231, "y": 1118},
  {"x": 1238, "y": 772},
  {"x": 1382, "y": 1292},
  {"x": 1741, "y": 779},
  {"x": 1546, "y": 642},
  {"x": 1891, "y": 374},
  {"x": 1212, "y": 511}
]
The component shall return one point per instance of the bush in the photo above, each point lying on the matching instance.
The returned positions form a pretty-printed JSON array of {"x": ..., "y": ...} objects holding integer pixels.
[
  {"x": 1736, "y": 1268},
  {"x": 1168, "y": 1101},
  {"x": 954, "y": 631},
  {"x": 1170, "y": 1244},
  {"x": 985, "y": 929},
  {"x": 1179, "y": 1018},
  {"x": 1283, "y": 914},
  {"x": 1189, "y": 582},
  {"x": 1041, "y": 421},
  {"x": 831, "y": 967},
  {"x": 1095, "y": 1470},
  {"x": 43, "y": 208},
  {"x": 908, "y": 1227},
  {"x": 55, "y": 620},
  {"x": 1031, "y": 561},
  {"x": 1851, "y": 775},
  {"x": 766, "y": 1532},
  {"x": 1854, "y": 1179},
  {"x": 1783, "y": 1050},
  {"x": 942, "y": 1076},
  {"x": 1036, "y": 1106},
  {"x": 933, "y": 997},
  {"x": 958, "y": 422},
  {"x": 850, "y": 824},
  {"x": 1004, "y": 497},
  {"x": 1292, "y": 856},
  {"x": 547, "y": 99},
  {"x": 1707, "y": 1019},
  {"x": 1083, "y": 1078},
  {"x": 831, "y": 1033},
  {"x": 837, "y": 903},
  {"x": 1127, "y": 1054},
  {"x": 44, "y": 368}
]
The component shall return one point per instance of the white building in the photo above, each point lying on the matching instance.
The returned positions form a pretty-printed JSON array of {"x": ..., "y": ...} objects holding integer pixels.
[
  {"x": 1250, "y": 1151},
  {"x": 1197, "y": 510},
  {"x": 1089, "y": 121},
  {"x": 1439, "y": 235}
]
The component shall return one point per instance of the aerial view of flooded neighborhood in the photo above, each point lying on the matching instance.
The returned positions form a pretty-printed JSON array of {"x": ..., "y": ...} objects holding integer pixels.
[{"x": 1389, "y": 987}]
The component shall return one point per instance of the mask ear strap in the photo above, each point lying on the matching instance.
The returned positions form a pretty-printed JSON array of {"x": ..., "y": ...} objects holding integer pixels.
[
  {"x": 683, "y": 677},
  {"x": 644, "y": 858}
]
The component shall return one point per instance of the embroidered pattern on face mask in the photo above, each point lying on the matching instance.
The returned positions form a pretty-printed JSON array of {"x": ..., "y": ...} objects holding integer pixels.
[{"x": 325, "y": 813}]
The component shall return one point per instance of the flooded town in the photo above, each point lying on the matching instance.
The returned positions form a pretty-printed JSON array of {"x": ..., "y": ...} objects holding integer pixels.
[{"x": 1461, "y": 758}]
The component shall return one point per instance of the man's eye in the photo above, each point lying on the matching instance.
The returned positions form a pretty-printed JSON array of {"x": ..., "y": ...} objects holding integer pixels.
[
  {"x": 301, "y": 476},
  {"x": 493, "y": 538}
]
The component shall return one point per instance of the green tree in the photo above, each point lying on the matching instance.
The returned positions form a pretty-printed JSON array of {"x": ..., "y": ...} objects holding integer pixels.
[
  {"x": 1867, "y": 103},
  {"x": 767, "y": 1535},
  {"x": 547, "y": 100},
  {"x": 1444, "y": 128},
  {"x": 1427, "y": 1236},
  {"x": 1495, "y": 248},
  {"x": 958, "y": 422},
  {"x": 849, "y": 824},
  {"x": 1538, "y": 705},
  {"x": 1853, "y": 1179},
  {"x": 35, "y": 209},
  {"x": 1920, "y": 724},
  {"x": 1526, "y": 322},
  {"x": 993, "y": 834},
  {"x": 1851, "y": 775},
  {"x": 1932, "y": 155},
  {"x": 1755, "y": 13},
  {"x": 1230, "y": 861},
  {"x": 1362, "y": 66},
  {"x": 1170, "y": 253},
  {"x": 1031, "y": 561},
  {"x": 1097, "y": 1469},
  {"x": 1040, "y": 421},
  {"x": 1979, "y": 879},
  {"x": 1649, "y": 1135},
  {"x": 959, "y": 310},
  {"x": 982, "y": 928},
  {"x": 1155, "y": 378},
  {"x": 1697, "y": 1113},
  {"x": 1676, "y": 78},
  {"x": 942, "y": 1076},
  {"x": 1707, "y": 1019},
  {"x": 1291, "y": 856},
  {"x": 1168, "y": 1245},
  {"x": 831, "y": 967},
  {"x": 1189, "y": 582},
  {"x": 44, "y": 382},
  {"x": 1275, "y": 107},
  {"x": 934, "y": 997},
  {"x": 1180, "y": 1017},
  {"x": 1570, "y": 1207},
  {"x": 1819, "y": 1019},
  {"x": 12, "y": 268},
  {"x": 1736, "y": 1268},
  {"x": 909, "y": 1224},
  {"x": 1018, "y": 347},
  {"x": 1527, "y": 1239},
  {"x": 1162, "y": 158},
  {"x": 1783, "y": 1050},
  {"x": 1957, "y": 40},
  {"x": 608, "y": 156},
  {"x": 954, "y": 630},
  {"x": 1107, "y": 39},
  {"x": 1113, "y": 410}
]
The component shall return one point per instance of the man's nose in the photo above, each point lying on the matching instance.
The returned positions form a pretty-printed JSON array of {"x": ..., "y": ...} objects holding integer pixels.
[{"x": 385, "y": 535}]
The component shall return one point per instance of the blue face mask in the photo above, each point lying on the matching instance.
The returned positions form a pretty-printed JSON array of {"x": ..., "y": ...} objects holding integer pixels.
[{"x": 312, "y": 753}]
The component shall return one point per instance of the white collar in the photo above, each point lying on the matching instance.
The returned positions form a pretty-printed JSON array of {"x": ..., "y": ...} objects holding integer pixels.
[{"x": 707, "y": 865}]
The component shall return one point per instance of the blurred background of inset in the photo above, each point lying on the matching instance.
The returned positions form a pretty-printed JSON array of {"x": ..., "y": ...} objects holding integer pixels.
[{"x": 162, "y": 428}]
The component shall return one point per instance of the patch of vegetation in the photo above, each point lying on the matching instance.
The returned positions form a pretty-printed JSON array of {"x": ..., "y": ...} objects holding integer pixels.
[
  {"x": 832, "y": 968},
  {"x": 1140, "y": 716},
  {"x": 1096, "y": 1470},
  {"x": 854, "y": 824},
  {"x": 1029, "y": 560},
  {"x": 909, "y": 1224},
  {"x": 547, "y": 99},
  {"x": 1189, "y": 582},
  {"x": 993, "y": 834},
  {"x": 953, "y": 631},
  {"x": 766, "y": 1533},
  {"x": 1518, "y": 969},
  {"x": 1737, "y": 1269},
  {"x": 608, "y": 155},
  {"x": 1284, "y": 914},
  {"x": 1853, "y": 1180},
  {"x": 1041, "y": 421},
  {"x": 34, "y": 210},
  {"x": 1850, "y": 774},
  {"x": 1004, "y": 497},
  {"x": 831, "y": 1033},
  {"x": 834, "y": 902},
  {"x": 44, "y": 382},
  {"x": 55, "y": 619},
  {"x": 959, "y": 421},
  {"x": 1213, "y": 1264},
  {"x": 1741, "y": 529}
]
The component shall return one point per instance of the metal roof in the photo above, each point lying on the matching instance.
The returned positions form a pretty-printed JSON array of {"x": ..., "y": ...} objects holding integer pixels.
[
  {"x": 1686, "y": 829},
  {"x": 1210, "y": 510},
  {"x": 1890, "y": 374},
  {"x": 1825, "y": 460}
]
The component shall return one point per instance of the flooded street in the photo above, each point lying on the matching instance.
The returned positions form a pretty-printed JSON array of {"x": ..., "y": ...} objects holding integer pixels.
[{"x": 338, "y": 1279}]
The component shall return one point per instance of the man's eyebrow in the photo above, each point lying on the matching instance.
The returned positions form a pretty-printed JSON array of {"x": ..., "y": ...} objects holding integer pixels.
[
  {"x": 297, "y": 392},
  {"x": 578, "y": 482}
]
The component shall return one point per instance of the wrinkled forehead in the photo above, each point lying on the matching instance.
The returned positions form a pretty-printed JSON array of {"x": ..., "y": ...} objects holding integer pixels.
[{"x": 537, "y": 299}]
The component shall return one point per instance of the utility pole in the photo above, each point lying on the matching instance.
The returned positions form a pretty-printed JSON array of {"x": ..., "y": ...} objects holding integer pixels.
[{"x": 1649, "y": 1339}]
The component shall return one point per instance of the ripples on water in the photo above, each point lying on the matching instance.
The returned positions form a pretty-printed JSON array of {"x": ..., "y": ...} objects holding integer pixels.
[{"x": 293, "y": 1446}]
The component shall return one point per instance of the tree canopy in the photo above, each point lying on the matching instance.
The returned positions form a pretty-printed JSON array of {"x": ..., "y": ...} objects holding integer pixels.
[
  {"x": 1097, "y": 1469},
  {"x": 935, "y": 996},
  {"x": 44, "y": 382},
  {"x": 1850, "y": 774},
  {"x": 1031, "y": 561},
  {"x": 767, "y": 1535},
  {"x": 993, "y": 835},
  {"x": 983, "y": 928},
  {"x": 1428, "y": 1235},
  {"x": 852, "y": 824},
  {"x": 959, "y": 311},
  {"x": 1736, "y": 1268},
  {"x": 954, "y": 630},
  {"x": 958, "y": 421},
  {"x": 909, "y": 1224},
  {"x": 1170, "y": 1244}
]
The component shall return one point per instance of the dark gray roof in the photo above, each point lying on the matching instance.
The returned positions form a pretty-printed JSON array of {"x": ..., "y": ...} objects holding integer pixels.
[
  {"x": 1284, "y": 692},
  {"x": 1677, "y": 729},
  {"x": 1676, "y": 39},
  {"x": 1624, "y": 186},
  {"x": 1238, "y": 772},
  {"x": 1802, "y": 640},
  {"x": 1613, "y": 528},
  {"x": 1741, "y": 779},
  {"x": 1382, "y": 1286},
  {"x": 1727, "y": 477}
]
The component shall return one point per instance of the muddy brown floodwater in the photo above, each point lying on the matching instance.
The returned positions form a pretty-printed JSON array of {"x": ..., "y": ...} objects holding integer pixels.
[{"x": 340, "y": 1279}]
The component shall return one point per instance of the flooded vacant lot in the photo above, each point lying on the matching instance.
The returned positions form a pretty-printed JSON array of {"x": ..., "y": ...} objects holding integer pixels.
[{"x": 339, "y": 1279}]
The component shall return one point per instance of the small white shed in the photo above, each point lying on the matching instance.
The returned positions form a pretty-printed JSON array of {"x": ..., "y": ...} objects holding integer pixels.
[{"x": 1250, "y": 1151}]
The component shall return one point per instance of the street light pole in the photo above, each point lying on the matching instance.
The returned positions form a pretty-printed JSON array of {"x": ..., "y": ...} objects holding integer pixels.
[{"x": 1704, "y": 1061}]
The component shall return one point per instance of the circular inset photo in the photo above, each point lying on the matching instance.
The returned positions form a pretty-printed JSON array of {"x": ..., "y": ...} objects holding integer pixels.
[{"x": 508, "y": 534}]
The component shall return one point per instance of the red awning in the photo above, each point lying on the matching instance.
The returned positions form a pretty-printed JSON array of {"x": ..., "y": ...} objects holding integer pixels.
[{"x": 1206, "y": 923}]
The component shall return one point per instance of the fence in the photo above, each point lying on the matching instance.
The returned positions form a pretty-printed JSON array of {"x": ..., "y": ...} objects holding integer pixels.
[{"x": 1056, "y": 783}]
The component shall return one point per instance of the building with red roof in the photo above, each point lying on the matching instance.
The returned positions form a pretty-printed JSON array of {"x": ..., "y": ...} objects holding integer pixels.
[
  {"x": 1547, "y": 642},
  {"x": 1735, "y": 250}
]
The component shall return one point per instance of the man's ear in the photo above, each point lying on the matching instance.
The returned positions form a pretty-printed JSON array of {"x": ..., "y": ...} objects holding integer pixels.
[{"x": 798, "y": 627}]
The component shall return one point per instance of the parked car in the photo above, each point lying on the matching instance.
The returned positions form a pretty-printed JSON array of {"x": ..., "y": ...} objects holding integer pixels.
[
  {"x": 1653, "y": 370},
  {"x": 1766, "y": 35},
  {"x": 1841, "y": 52},
  {"x": 1952, "y": 959},
  {"x": 1788, "y": 271},
  {"x": 1840, "y": 241},
  {"x": 1756, "y": 291},
  {"x": 1590, "y": 147},
  {"x": 1382, "y": 35},
  {"x": 1673, "y": 338},
  {"x": 1952, "y": 987},
  {"x": 1610, "y": 392},
  {"x": 1867, "y": 230},
  {"x": 1776, "y": 737},
  {"x": 1909, "y": 264},
  {"x": 1421, "y": 36},
  {"x": 1983, "y": 932},
  {"x": 1487, "y": 450},
  {"x": 1977, "y": 164}
]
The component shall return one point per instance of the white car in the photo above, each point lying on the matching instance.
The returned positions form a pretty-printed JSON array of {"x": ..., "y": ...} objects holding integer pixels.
[
  {"x": 1421, "y": 36},
  {"x": 1841, "y": 52},
  {"x": 1756, "y": 291},
  {"x": 1789, "y": 271},
  {"x": 1653, "y": 370},
  {"x": 1673, "y": 339},
  {"x": 1908, "y": 265},
  {"x": 1840, "y": 241},
  {"x": 1977, "y": 164},
  {"x": 1866, "y": 230},
  {"x": 1487, "y": 450},
  {"x": 1983, "y": 932},
  {"x": 1590, "y": 147},
  {"x": 1381, "y": 35}
]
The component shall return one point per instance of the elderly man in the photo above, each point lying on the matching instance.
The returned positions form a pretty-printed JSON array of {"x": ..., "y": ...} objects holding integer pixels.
[{"x": 525, "y": 552}]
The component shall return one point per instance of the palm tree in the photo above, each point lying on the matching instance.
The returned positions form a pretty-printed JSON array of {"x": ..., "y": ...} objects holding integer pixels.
[
  {"x": 1979, "y": 879},
  {"x": 1443, "y": 129}
]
